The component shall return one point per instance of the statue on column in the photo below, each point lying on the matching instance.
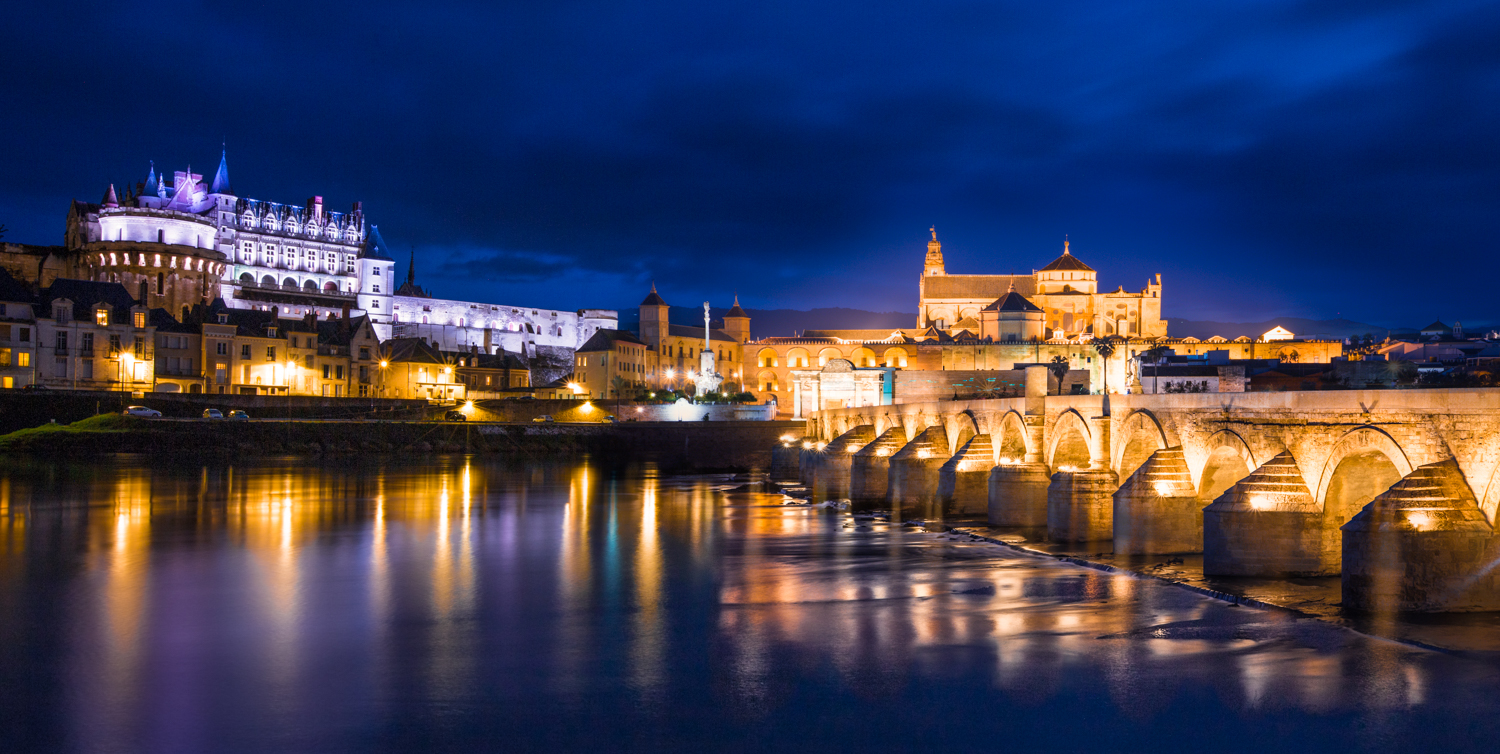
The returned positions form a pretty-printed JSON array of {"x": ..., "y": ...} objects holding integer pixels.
[{"x": 708, "y": 378}]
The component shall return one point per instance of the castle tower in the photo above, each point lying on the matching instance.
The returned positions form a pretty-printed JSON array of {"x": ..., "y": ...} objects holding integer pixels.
[
  {"x": 653, "y": 319},
  {"x": 736, "y": 322},
  {"x": 934, "y": 265}
]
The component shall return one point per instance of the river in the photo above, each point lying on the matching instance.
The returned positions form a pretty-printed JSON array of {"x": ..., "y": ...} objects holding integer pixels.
[{"x": 453, "y": 604}]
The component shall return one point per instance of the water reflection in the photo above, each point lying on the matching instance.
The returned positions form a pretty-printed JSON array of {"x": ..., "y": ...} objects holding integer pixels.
[{"x": 464, "y": 603}]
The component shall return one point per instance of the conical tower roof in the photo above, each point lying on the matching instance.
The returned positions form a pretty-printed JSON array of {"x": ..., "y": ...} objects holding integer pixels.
[
  {"x": 736, "y": 311},
  {"x": 1277, "y": 485},
  {"x": 1067, "y": 263},
  {"x": 110, "y": 199},
  {"x": 653, "y": 298},
  {"x": 221, "y": 176}
]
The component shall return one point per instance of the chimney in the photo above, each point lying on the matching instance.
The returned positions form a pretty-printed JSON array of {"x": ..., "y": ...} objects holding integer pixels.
[
  {"x": 142, "y": 298},
  {"x": 346, "y": 312},
  {"x": 359, "y": 207},
  {"x": 315, "y": 207}
]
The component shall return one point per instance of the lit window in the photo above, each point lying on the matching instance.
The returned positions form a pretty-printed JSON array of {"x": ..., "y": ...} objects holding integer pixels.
[{"x": 101, "y": 317}]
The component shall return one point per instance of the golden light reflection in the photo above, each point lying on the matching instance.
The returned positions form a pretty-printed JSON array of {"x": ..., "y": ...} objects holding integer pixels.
[{"x": 648, "y": 646}]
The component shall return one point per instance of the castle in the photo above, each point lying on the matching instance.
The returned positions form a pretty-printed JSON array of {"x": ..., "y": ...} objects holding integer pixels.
[{"x": 178, "y": 241}]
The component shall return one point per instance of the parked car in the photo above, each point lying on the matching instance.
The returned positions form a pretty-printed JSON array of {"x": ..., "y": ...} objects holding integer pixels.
[
  {"x": 212, "y": 413},
  {"x": 141, "y": 411},
  {"x": 611, "y": 420},
  {"x": 544, "y": 418},
  {"x": 238, "y": 416},
  {"x": 455, "y": 416}
]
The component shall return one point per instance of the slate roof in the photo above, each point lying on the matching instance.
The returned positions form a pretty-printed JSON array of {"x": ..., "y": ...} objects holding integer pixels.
[
  {"x": 604, "y": 340},
  {"x": 987, "y": 287},
  {"x": 413, "y": 350},
  {"x": 1012, "y": 302},
  {"x": 736, "y": 311},
  {"x": 1436, "y": 326},
  {"x": 1067, "y": 263},
  {"x": 12, "y": 289},
  {"x": 86, "y": 295},
  {"x": 696, "y": 331}
]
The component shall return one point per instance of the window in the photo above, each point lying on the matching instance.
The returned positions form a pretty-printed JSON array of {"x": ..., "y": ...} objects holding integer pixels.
[
  {"x": 101, "y": 317},
  {"x": 245, "y": 351},
  {"x": 23, "y": 358},
  {"x": 138, "y": 319},
  {"x": 86, "y": 344},
  {"x": 221, "y": 349},
  {"x": 377, "y": 290},
  {"x": 25, "y": 335},
  {"x": 62, "y": 342},
  {"x": 328, "y": 371},
  {"x": 364, "y": 354},
  {"x": 140, "y": 348},
  {"x": 4, "y": 357},
  {"x": 338, "y": 371},
  {"x": 270, "y": 353}
]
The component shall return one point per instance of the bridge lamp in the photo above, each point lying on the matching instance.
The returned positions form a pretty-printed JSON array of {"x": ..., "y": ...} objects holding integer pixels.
[
  {"x": 807, "y": 445},
  {"x": 882, "y": 452},
  {"x": 1421, "y": 520},
  {"x": 854, "y": 449},
  {"x": 586, "y": 407},
  {"x": 924, "y": 453},
  {"x": 822, "y": 445}
]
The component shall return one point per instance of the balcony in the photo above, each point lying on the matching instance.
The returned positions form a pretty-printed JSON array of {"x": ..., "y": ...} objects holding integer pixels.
[{"x": 281, "y": 294}]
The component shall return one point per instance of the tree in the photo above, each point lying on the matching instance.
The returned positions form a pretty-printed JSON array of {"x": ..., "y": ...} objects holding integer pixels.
[
  {"x": 1058, "y": 369},
  {"x": 2, "y": 230},
  {"x": 1105, "y": 347},
  {"x": 1155, "y": 354}
]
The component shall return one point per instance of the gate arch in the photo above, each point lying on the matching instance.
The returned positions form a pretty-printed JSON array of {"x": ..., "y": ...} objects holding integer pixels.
[{"x": 1228, "y": 460}]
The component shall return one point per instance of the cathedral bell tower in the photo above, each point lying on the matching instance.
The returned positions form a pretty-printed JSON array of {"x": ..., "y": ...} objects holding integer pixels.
[{"x": 934, "y": 264}]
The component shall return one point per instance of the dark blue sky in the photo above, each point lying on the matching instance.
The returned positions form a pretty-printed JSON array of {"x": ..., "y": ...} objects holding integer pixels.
[{"x": 1268, "y": 158}]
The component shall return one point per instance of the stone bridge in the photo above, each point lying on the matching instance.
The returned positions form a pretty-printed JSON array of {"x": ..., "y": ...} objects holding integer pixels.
[{"x": 1396, "y": 490}]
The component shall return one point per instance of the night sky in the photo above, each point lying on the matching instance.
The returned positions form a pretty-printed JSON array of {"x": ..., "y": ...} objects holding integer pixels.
[{"x": 1311, "y": 159}]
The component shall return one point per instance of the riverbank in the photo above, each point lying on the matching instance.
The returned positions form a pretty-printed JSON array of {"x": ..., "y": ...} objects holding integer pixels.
[{"x": 702, "y": 446}]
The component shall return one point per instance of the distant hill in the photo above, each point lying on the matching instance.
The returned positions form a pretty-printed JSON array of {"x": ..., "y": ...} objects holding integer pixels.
[{"x": 765, "y": 323}]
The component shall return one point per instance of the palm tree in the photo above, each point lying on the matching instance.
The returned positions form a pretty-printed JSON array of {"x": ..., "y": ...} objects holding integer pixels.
[
  {"x": 1155, "y": 354},
  {"x": 1105, "y": 347},
  {"x": 1058, "y": 369}
]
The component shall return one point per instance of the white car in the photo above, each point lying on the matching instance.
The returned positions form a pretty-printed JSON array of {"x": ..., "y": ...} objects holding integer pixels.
[{"x": 142, "y": 411}]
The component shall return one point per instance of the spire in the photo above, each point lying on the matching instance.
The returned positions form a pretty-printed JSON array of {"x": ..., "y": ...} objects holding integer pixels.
[
  {"x": 411, "y": 267},
  {"x": 736, "y": 311},
  {"x": 1065, "y": 245},
  {"x": 110, "y": 199},
  {"x": 221, "y": 178},
  {"x": 151, "y": 184}
]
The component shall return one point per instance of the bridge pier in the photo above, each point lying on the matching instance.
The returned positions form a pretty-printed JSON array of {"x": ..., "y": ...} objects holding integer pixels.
[
  {"x": 831, "y": 469},
  {"x": 786, "y": 459},
  {"x": 1080, "y": 505},
  {"x": 871, "y": 468},
  {"x": 963, "y": 481},
  {"x": 1267, "y": 524},
  {"x": 807, "y": 460},
  {"x": 913, "y": 478},
  {"x": 1423, "y": 545},
  {"x": 1018, "y": 494},
  {"x": 1157, "y": 510}
]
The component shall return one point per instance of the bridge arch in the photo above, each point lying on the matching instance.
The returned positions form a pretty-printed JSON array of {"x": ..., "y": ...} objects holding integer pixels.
[
  {"x": 1364, "y": 463},
  {"x": 1140, "y": 435},
  {"x": 960, "y": 428},
  {"x": 1228, "y": 460},
  {"x": 1072, "y": 442},
  {"x": 1010, "y": 437}
]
